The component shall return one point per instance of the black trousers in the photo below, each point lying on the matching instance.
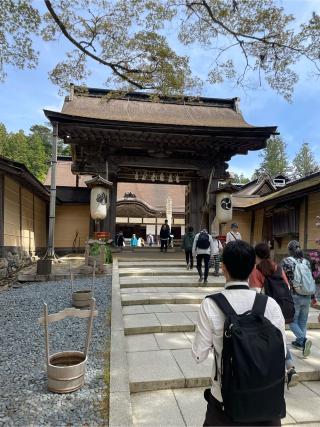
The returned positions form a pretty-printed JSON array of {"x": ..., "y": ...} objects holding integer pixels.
[
  {"x": 215, "y": 415},
  {"x": 206, "y": 259},
  {"x": 189, "y": 257},
  {"x": 164, "y": 244}
]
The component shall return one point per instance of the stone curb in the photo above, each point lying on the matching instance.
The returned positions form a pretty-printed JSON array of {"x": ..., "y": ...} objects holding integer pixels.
[{"x": 120, "y": 410}]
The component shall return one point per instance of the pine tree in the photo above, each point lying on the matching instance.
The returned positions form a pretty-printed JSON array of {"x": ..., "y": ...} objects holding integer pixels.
[
  {"x": 240, "y": 179},
  {"x": 274, "y": 158},
  {"x": 37, "y": 161},
  {"x": 304, "y": 163}
]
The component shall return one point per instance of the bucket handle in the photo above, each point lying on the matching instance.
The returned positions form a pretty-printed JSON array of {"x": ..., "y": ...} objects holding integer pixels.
[
  {"x": 89, "y": 328},
  {"x": 46, "y": 332},
  {"x": 93, "y": 275}
]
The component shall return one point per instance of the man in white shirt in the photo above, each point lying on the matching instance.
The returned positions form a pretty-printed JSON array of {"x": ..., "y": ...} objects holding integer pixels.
[
  {"x": 238, "y": 262},
  {"x": 233, "y": 234},
  {"x": 204, "y": 248}
]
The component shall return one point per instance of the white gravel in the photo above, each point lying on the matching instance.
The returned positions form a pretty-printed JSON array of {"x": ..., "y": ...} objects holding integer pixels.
[{"x": 24, "y": 398}]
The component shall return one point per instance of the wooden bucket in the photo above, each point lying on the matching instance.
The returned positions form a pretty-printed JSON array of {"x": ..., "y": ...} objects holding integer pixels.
[
  {"x": 66, "y": 369},
  {"x": 82, "y": 297}
]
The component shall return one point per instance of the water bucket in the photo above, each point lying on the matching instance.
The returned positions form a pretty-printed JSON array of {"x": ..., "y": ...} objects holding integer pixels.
[
  {"x": 66, "y": 369},
  {"x": 82, "y": 298}
]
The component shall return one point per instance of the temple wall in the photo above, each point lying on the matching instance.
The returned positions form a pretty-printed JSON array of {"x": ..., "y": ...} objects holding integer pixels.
[
  {"x": 24, "y": 218},
  {"x": 258, "y": 226},
  {"x": 72, "y": 222}
]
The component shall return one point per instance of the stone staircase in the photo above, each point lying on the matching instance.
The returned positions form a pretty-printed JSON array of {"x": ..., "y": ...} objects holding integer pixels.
[{"x": 157, "y": 303}]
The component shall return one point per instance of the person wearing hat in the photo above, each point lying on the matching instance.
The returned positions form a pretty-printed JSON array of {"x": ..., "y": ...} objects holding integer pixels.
[
  {"x": 233, "y": 234},
  {"x": 301, "y": 300}
]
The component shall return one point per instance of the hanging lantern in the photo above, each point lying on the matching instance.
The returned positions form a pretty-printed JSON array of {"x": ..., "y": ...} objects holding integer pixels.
[
  {"x": 224, "y": 203},
  {"x": 136, "y": 176},
  {"x": 161, "y": 176},
  {"x": 177, "y": 179},
  {"x": 100, "y": 197},
  {"x": 144, "y": 176},
  {"x": 153, "y": 177},
  {"x": 170, "y": 179}
]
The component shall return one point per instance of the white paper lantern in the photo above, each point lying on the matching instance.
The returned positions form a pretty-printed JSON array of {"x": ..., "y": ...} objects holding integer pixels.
[
  {"x": 99, "y": 201},
  {"x": 224, "y": 207}
]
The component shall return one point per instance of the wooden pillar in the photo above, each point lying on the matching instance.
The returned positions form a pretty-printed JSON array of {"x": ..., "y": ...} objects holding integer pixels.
[
  {"x": 306, "y": 213},
  {"x": 109, "y": 224},
  {"x": 195, "y": 201}
]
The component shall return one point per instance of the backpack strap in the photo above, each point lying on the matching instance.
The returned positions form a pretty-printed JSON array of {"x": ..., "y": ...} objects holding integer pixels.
[
  {"x": 259, "y": 305},
  {"x": 223, "y": 304}
]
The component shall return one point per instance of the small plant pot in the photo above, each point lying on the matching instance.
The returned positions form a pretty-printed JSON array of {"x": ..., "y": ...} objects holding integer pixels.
[
  {"x": 82, "y": 298},
  {"x": 66, "y": 371}
]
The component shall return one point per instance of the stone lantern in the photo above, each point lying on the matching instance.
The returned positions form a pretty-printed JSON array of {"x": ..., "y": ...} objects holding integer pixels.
[
  {"x": 99, "y": 198},
  {"x": 224, "y": 203}
]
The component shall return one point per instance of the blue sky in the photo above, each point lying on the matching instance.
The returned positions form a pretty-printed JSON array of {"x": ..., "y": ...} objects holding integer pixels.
[{"x": 26, "y": 93}]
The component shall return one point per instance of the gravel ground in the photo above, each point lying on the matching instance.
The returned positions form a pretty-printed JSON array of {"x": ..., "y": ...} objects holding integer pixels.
[{"x": 24, "y": 398}]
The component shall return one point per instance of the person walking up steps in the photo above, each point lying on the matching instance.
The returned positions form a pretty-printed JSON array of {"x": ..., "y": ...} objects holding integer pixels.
[
  {"x": 298, "y": 271},
  {"x": 164, "y": 236},
  {"x": 187, "y": 243},
  {"x": 269, "y": 278},
  {"x": 217, "y": 252},
  {"x": 203, "y": 248},
  {"x": 246, "y": 332}
]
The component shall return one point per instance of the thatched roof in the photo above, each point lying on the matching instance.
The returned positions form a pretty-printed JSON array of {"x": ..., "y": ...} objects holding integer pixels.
[{"x": 141, "y": 108}]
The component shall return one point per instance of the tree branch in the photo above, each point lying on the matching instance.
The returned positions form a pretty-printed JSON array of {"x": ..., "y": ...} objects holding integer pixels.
[{"x": 114, "y": 67}]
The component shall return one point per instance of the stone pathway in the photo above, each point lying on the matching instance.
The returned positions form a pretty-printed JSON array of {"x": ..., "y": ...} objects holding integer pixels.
[{"x": 153, "y": 330}]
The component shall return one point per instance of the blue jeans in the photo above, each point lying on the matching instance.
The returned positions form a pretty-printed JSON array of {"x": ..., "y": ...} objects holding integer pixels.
[{"x": 299, "y": 324}]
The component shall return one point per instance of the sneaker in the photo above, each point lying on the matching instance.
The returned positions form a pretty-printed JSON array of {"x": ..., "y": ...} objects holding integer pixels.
[
  {"x": 200, "y": 279},
  {"x": 307, "y": 348},
  {"x": 292, "y": 378},
  {"x": 188, "y": 267},
  {"x": 296, "y": 345},
  {"x": 205, "y": 281}
]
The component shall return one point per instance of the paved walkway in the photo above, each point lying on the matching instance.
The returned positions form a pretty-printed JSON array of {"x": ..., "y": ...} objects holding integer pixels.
[{"x": 154, "y": 379}]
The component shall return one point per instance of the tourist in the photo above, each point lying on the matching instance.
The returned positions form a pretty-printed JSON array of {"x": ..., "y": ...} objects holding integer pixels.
[
  {"x": 217, "y": 253},
  {"x": 266, "y": 379},
  {"x": 203, "y": 249},
  {"x": 187, "y": 243},
  {"x": 270, "y": 278},
  {"x": 120, "y": 240},
  {"x": 298, "y": 271},
  {"x": 164, "y": 236},
  {"x": 150, "y": 240},
  {"x": 233, "y": 234},
  {"x": 133, "y": 242}
]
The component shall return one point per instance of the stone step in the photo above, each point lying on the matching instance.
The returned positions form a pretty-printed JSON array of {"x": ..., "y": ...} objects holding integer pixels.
[
  {"x": 187, "y": 407},
  {"x": 152, "y": 318},
  {"x": 157, "y": 271},
  {"x": 165, "y": 281},
  {"x": 195, "y": 296},
  {"x": 164, "y": 360},
  {"x": 172, "y": 263}
]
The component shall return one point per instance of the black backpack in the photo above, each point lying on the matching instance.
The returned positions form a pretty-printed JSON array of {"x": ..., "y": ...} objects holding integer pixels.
[
  {"x": 252, "y": 363},
  {"x": 203, "y": 241},
  {"x": 276, "y": 288}
]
